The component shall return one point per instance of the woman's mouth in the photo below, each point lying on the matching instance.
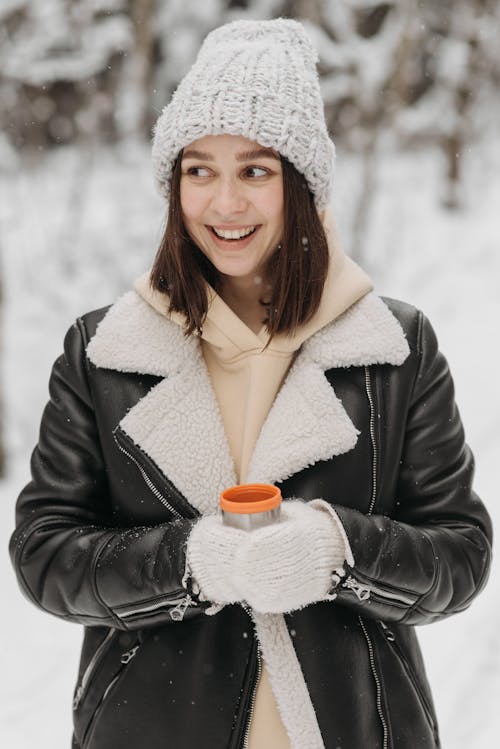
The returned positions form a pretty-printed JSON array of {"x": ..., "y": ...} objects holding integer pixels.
[
  {"x": 239, "y": 237},
  {"x": 233, "y": 233}
]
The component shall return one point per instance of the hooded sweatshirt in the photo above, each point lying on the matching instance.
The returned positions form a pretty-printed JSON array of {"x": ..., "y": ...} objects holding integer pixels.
[{"x": 246, "y": 378}]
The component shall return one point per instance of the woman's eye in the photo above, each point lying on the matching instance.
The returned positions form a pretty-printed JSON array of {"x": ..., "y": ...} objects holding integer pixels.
[
  {"x": 256, "y": 171},
  {"x": 198, "y": 171}
]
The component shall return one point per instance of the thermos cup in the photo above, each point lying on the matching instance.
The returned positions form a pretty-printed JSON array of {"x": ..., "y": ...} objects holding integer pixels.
[{"x": 249, "y": 506}]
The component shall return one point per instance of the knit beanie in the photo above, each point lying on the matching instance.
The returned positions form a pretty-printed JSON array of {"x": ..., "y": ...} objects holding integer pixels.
[{"x": 257, "y": 79}]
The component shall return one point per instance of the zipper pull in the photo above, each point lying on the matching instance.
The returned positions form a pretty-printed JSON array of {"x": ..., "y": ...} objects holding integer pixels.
[
  {"x": 177, "y": 613},
  {"x": 77, "y": 697},
  {"x": 361, "y": 592},
  {"x": 127, "y": 657},
  {"x": 387, "y": 632}
]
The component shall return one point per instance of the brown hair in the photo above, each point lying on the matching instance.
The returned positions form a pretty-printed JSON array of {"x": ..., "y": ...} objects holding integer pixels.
[{"x": 296, "y": 271}]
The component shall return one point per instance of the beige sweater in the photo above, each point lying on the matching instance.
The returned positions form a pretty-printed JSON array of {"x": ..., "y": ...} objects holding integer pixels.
[{"x": 246, "y": 379}]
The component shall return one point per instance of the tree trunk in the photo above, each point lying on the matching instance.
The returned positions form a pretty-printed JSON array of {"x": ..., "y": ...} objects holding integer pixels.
[
  {"x": 455, "y": 143},
  {"x": 310, "y": 9},
  {"x": 134, "y": 94},
  {"x": 362, "y": 212}
]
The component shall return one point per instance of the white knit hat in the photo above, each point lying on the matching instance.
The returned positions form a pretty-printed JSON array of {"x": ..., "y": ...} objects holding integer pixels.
[{"x": 257, "y": 79}]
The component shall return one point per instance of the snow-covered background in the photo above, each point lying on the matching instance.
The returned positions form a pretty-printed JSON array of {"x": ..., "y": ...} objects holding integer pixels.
[{"x": 79, "y": 221}]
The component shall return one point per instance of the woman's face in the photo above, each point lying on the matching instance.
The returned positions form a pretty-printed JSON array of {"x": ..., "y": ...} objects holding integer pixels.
[{"x": 232, "y": 203}]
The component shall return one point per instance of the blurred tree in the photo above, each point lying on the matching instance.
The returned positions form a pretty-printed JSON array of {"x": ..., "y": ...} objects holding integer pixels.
[
  {"x": 133, "y": 113},
  {"x": 458, "y": 60},
  {"x": 59, "y": 63}
]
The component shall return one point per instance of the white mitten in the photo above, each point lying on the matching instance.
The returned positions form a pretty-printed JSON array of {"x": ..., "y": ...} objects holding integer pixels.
[
  {"x": 211, "y": 549},
  {"x": 289, "y": 564}
]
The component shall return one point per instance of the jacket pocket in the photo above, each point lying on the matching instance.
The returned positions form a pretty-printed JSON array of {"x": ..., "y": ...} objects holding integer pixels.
[
  {"x": 412, "y": 676},
  {"x": 103, "y": 672}
]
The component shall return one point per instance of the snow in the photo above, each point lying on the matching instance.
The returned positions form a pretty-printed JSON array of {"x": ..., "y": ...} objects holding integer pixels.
[
  {"x": 79, "y": 224},
  {"x": 10, "y": 6},
  {"x": 69, "y": 59},
  {"x": 453, "y": 61},
  {"x": 365, "y": 64},
  {"x": 57, "y": 43}
]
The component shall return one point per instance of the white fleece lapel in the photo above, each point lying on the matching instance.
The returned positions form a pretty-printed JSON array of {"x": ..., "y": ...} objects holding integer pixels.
[
  {"x": 133, "y": 337},
  {"x": 307, "y": 422},
  {"x": 178, "y": 423},
  {"x": 287, "y": 681},
  {"x": 367, "y": 333}
]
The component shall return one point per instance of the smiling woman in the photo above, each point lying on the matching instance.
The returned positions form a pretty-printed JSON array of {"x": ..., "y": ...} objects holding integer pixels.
[
  {"x": 254, "y": 352},
  {"x": 232, "y": 206}
]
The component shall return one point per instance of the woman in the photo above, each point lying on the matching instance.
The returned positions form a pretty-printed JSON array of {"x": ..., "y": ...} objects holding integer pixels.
[{"x": 253, "y": 351}]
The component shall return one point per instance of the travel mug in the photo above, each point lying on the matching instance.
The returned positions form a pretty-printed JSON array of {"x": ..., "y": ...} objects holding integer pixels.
[{"x": 249, "y": 506}]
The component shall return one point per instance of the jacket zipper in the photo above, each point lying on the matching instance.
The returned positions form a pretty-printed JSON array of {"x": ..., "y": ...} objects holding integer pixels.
[
  {"x": 362, "y": 591},
  {"x": 398, "y": 651},
  {"x": 151, "y": 486},
  {"x": 378, "y": 685},
  {"x": 91, "y": 668},
  {"x": 124, "y": 661},
  {"x": 177, "y": 613},
  {"x": 252, "y": 700},
  {"x": 369, "y": 393}
]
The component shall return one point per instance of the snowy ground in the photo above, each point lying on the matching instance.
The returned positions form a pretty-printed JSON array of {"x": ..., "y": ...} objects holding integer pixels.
[{"x": 78, "y": 226}]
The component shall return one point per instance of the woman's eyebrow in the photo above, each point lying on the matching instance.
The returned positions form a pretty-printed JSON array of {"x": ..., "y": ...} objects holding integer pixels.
[
  {"x": 258, "y": 153},
  {"x": 192, "y": 153}
]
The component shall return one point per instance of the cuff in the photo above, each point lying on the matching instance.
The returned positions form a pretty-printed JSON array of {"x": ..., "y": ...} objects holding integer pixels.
[{"x": 324, "y": 506}]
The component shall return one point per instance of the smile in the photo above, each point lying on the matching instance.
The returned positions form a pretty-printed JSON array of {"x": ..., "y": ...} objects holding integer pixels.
[{"x": 233, "y": 234}]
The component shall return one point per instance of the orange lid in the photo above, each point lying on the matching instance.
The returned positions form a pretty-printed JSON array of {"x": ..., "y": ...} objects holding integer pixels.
[{"x": 250, "y": 498}]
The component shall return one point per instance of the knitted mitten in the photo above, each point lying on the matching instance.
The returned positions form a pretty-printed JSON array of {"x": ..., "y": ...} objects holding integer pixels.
[
  {"x": 289, "y": 564},
  {"x": 211, "y": 549}
]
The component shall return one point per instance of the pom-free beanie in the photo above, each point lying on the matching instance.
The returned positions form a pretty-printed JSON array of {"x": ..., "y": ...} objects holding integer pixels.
[{"x": 257, "y": 79}]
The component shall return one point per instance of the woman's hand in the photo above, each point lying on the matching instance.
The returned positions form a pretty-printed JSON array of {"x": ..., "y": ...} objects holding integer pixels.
[
  {"x": 211, "y": 551},
  {"x": 288, "y": 565},
  {"x": 278, "y": 568}
]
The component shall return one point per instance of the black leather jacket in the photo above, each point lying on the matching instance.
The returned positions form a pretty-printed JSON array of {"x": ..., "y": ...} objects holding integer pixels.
[{"x": 101, "y": 535}]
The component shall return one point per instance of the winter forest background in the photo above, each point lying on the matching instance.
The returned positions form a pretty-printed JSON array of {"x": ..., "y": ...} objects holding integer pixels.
[{"x": 412, "y": 99}]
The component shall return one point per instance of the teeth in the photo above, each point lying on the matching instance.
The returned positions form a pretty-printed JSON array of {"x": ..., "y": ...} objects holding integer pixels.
[{"x": 235, "y": 234}]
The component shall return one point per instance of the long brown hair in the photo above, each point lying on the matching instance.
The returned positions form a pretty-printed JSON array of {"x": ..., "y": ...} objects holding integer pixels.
[{"x": 296, "y": 271}]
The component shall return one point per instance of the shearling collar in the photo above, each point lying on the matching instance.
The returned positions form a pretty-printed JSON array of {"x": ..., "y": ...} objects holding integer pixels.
[
  {"x": 178, "y": 423},
  {"x": 133, "y": 337}
]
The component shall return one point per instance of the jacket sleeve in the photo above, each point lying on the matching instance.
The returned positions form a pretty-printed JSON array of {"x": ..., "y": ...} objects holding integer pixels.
[
  {"x": 432, "y": 556},
  {"x": 69, "y": 558}
]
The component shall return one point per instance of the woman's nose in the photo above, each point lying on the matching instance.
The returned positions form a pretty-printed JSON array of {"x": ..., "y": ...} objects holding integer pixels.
[{"x": 228, "y": 198}]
